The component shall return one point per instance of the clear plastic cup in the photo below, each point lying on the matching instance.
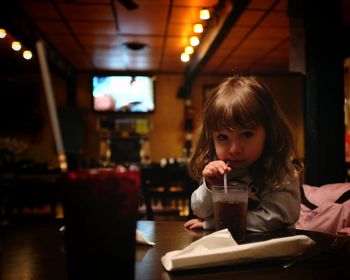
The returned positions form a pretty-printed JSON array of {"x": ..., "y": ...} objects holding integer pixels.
[{"x": 230, "y": 209}]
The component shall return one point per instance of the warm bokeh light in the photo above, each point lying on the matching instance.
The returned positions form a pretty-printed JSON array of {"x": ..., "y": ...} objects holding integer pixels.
[
  {"x": 189, "y": 50},
  {"x": 204, "y": 14},
  {"x": 27, "y": 54},
  {"x": 2, "y": 33},
  {"x": 194, "y": 41},
  {"x": 198, "y": 28},
  {"x": 185, "y": 57},
  {"x": 16, "y": 45}
]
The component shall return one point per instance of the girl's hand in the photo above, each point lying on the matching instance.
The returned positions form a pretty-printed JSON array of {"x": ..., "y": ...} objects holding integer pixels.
[
  {"x": 213, "y": 172},
  {"x": 194, "y": 224}
]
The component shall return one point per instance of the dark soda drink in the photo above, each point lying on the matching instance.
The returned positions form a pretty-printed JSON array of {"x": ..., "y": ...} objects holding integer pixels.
[
  {"x": 233, "y": 216},
  {"x": 230, "y": 205}
]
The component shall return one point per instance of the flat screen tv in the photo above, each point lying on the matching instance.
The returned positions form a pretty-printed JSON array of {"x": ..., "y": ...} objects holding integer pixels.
[{"x": 123, "y": 94}]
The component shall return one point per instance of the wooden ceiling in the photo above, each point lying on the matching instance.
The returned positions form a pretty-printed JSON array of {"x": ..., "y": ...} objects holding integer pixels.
[{"x": 91, "y": 34}]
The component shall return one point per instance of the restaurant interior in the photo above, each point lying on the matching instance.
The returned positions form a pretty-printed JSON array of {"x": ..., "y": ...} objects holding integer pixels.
[{"x": 174, "y": 57}]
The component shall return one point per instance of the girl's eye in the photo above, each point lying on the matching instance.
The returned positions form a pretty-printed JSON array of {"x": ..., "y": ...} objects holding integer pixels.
[
  {"x": 247, "y": 134},
  {"x": 222, "y": 137}
]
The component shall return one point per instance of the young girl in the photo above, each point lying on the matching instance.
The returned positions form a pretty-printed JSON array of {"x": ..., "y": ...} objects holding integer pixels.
[{"x": 245, "y": 135}]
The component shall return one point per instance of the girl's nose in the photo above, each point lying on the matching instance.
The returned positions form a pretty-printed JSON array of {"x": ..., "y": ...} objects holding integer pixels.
[{"x": 235, "y": 148}]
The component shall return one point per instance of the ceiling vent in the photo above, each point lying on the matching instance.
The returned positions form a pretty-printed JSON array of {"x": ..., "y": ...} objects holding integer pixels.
[
  {"x": 129, "y": 4},
  {"x": 135, "y": 46}
]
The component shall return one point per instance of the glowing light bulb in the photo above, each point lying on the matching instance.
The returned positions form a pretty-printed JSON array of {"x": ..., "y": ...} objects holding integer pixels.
[
  {"x": 185, "y": 57},
  {"x": 189, "y": 50},
  {"x": 16, "y": 45},
  {"x": 27, "y": 54},
  {"x": 198, "y": 28},
  {"x": 204, "y": 14},
  {"x": 2, "y": 33},
  {"x": 194, "y": 41}
]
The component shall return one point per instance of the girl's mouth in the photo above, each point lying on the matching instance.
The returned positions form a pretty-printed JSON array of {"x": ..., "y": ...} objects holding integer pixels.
[{"x": 236, "y": 162}]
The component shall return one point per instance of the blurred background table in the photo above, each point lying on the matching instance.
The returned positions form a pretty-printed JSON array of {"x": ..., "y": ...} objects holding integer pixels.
[{"x": 20, "y": 190}]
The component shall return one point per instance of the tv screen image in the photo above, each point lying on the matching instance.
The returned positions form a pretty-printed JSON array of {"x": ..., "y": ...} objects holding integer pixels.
[{"x": 123, "y": 94}]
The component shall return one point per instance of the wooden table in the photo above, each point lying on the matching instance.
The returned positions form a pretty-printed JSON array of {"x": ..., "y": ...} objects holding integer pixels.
[{"x": 36, "y": 250}]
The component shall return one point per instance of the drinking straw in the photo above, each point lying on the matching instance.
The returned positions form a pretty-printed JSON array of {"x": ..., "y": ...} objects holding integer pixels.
[
  {"x": 225, "y": 182},
  {"x": 51, "y": 105},
  {"x": 225, "y": 179}
]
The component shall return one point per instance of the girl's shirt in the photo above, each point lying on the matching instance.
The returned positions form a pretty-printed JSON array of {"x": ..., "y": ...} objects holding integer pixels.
[{"x": 268, "y": 210}]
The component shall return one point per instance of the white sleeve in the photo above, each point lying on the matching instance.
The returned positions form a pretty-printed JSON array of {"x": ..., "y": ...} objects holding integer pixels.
[
  {"x": 201, "y": 202},
  {"x": 278, "y": 208}
]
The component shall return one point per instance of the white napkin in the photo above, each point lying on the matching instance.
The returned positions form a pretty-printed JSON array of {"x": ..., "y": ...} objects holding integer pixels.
[
  {"x": 141, "y": 240},
  {"x": 219, "y": 248}
]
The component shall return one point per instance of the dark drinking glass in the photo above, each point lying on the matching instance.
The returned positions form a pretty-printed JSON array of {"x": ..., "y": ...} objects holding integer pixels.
[{"x": 100, "y": 213}]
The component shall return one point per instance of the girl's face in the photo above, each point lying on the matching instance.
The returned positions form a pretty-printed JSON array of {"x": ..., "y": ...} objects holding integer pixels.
[{"x": 241, "y": 147}]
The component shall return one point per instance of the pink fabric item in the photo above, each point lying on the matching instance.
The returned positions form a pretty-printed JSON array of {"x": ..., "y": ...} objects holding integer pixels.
[{"x": 329, "y": 217}]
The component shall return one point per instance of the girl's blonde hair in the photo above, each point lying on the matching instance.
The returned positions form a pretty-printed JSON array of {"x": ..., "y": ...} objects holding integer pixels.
[{"x": 245, "y": 102}]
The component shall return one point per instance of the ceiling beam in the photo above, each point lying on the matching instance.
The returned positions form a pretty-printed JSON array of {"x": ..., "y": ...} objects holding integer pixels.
[{"x": 225, "y": 15}]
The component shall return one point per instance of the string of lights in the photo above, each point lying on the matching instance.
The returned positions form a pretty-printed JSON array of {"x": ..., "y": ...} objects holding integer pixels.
[
  {"x": 194, "y": 40},
  {"x": 15, "y": 44}
]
